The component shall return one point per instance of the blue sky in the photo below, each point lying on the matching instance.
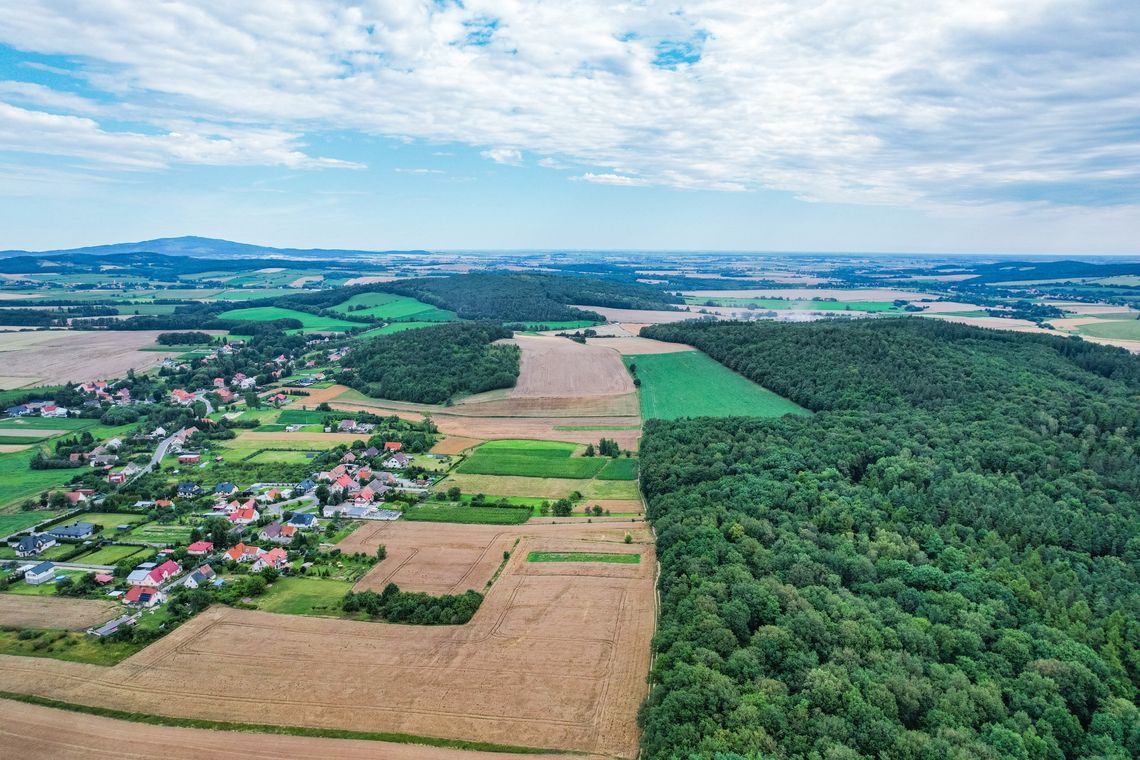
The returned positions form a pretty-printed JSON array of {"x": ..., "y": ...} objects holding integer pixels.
[{"x": 959, "y": 126}]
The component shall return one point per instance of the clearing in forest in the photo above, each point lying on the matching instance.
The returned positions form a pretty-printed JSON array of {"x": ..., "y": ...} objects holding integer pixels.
[
  {"x": 391, "y": 307},
  {"x": 691, "y": 384},
  {"x": 309, "y": 322}
]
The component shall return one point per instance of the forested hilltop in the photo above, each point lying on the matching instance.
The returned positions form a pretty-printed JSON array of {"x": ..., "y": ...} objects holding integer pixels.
[
  {"x": 434, "y": 364},
  {"x": 943, "y": 562}
]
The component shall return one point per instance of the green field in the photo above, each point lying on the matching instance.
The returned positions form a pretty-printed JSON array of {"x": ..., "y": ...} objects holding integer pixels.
[
  {"x": 565, "y": 325},
  {"x": 251, "y": 294},
  {"x": 690, "y": 384},
  {"x": 7, "y": 398},
  {"x": 597, "y": 427},
  {"x": 779, "y": 304},
  {"x": 108, "y": 519},
  {"x": 109, "y": 555},
  {"x": 287, "y": 457},
  {"x": 14, "y": 522},
  {"x": 304, "y": 596},
  {"x": 43, "y": 589},
  {"x": 300, "y": 417},
  {"x": 619, "y": 469},
  {"x": 395, "y": 327},
  {"x": 20, "y": 482},
  {"x": 159, "y": 534},
  {"x": 10, "y": 426},
  {"x": 1125, "y": 329},
  {"x": 450, "y": 513},
  {"x": 146, "y": 309},
  {"x": 392, "y": 308},
  {"x": 532, "y": 459},
  {"x": 310, "y": 322},
  {"x": 617, "y": 559}
]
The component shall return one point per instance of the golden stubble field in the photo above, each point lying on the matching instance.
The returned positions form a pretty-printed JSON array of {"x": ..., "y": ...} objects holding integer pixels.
[
  {"x": 556, "y": 657},
  {"x": 25, "y": 611}
]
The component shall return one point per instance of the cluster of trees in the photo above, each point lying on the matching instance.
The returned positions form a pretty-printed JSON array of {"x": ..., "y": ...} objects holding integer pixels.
[
  {"x": 434, "y": 364},
  {"x": 191, "y": 338},
  {"x": 943, "y": 561},
  {"x": 50, "y": 318},
  {"x": 417, "y": 608}
]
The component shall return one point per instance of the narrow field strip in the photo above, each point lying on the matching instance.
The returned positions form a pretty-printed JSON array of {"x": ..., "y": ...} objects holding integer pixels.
[{"x": 612, "y": 558}]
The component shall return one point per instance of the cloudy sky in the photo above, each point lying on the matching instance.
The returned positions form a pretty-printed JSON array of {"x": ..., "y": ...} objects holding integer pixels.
[{"x": 877, "y": 125}]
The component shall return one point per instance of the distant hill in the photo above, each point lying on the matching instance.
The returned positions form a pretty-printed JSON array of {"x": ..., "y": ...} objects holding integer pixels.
[{"x": 206, "y": 248}]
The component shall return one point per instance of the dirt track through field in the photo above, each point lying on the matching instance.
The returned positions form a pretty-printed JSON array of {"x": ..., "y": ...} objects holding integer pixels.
[
  {"x": 556, "y": 657},
  {"x": 20, "y": 611},
  {"x": 31, "y": 732}
]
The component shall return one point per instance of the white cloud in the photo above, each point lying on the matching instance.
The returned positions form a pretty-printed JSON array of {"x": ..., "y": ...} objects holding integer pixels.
[
  {"x": 511, "y": 156},
  {"x": 940, "y": 103},
  {"x": 611, "y": 179},
  {"x": 419, "y": 171}
]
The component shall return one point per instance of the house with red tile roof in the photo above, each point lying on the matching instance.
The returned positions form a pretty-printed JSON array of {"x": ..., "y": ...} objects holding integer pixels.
[
  {"x": 244, "y": 516},
  {"x": 141, "y": 596},
  {"x": 200, "y": 548},
  {"x": 393, "y": 445},
  {"x": 243, "y": 553},
  {"x": 179, "y": 396},
  {"x": 161, "y": 574},
  {"x": 275, "y": 558}
]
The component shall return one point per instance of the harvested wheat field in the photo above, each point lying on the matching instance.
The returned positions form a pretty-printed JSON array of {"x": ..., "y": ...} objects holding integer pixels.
[
  {"x": 635, "y": 345},
  {"x": 12, "y": 448},
  {"x": 315, "y": 395},
  {"x": 31, "y": 732},
  {"x": 559, "y": 368},
  {"x": 454, "y": 444},
  {"x": 556, "y": 657},
  {"x": 994, "y": 323},
  {"x": 858, "y": 294},
  {"x": 20, "y": 611},
  {"x": 638, "y": 316},
  {"x": 51, "y": 357},
  {"x": 610, "y": 405}
]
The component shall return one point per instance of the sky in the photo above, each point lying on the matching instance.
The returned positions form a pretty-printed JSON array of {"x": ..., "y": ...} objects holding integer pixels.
[{"x": 809, "y": 125}]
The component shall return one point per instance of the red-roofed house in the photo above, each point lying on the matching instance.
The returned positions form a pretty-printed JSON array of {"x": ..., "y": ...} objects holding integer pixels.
[
  {"x": 393, "y": 445},
  {"x": 344, "y": 481},
  {"x": 200, "y": 548},
  {"x": 179, "y": 396},
  {"x": 143, "y": 597},
  {"x": 243, "y": 553},
  {"x": 275, "y": 558},
  {"x": 161, "y": 574},
  {"x": 103, "y": 579},
  {"x": 189, "y": 458},
  {"x": 244, "y": 516}
]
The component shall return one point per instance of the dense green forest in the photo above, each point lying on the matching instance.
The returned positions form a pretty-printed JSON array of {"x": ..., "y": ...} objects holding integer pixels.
[
  {"x": 530, "y": 297},
  {"x": 434, "y": 364},
  {"x": 943, "y": 562}
]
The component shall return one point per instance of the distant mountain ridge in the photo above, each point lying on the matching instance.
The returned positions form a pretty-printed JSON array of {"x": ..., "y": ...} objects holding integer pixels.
[{"x": 207, "y": 248}]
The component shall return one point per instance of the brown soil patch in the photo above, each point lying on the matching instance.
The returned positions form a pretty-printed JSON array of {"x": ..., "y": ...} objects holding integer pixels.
[
  {"x": 638, "y": 345},
  {"x": 454, "y": 444},
  {"x": 556, "y": 657},
  {"x": 316, "y": 395},
  {"x": 12, "y": 448},
  {"x": 616, "y": 505},
  {"x": 557, "y": 367},
  {"x": 20, "y": 611},
  {"x": 616, "y": 405},
  {"x": 1071, "y": 323},
  {"x": 32, "y": 732},
  {"x": 59, "y": 356},
  {"x": 300, "y": 281},
  {"x": 541, "y": 428},
  {"x": 31, "y": 432}
]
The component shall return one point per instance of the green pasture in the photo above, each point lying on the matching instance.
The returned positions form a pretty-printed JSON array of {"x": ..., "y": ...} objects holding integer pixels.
[
  {"x": 300, "y": 417},
  {"x": 533, "y": 459},
  {"x": 564, "y": 325},
  {"x": 251, "y": 294},
  {"x": 286, "y": 457},
  {"x": 309, "y": 322},
  {"x": 72, "y": 646},
  {"x": 395, "y": 327},
  {"x": 304, "y": 596},
  {"x": 1124, "y": 329},
  {"x": 390, "y": 307},
  {"x": 159, "y": 534},
  {"x": 451, "y": 513},
  {"x": 14, "y": 522},
  {"x": 619, "y": 469},
  {"x": 691, "y": 384},
  {"x": 109, "y": 555}
]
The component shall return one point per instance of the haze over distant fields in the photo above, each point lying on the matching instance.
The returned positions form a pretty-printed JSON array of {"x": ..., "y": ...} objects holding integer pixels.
[{"x": 938, "y": 126}]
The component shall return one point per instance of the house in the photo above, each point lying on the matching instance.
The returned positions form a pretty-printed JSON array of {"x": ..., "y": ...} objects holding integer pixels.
[
  {"x": 201, "y": 576},
  {"x": 274, "y": 558},
  {"x": 346, "y": 426},
  {"x": 51, "y": 410},
  {"x": 74, "y": 532},
  {"x": 243, "y": 553},
  {"x": 75, "y": 497},
  {"x": 140, "y": 596},
  {"x": 226, "y": 396},
  {"x": 108, "y": 628},
  {"x": 40, "y": 574},
  {"x": 244, "y": 516},
  {"x": 181, "y": 397},
  {"x": 397, "y": 461},
  {"x": 200, "y": 548},
  {"x": 345, "y": 483},
  {"x": 278, "y": 533},
  {"x": 104, "y": 460},
  {"x": 18, "y": 411},
  {"x": 164, "y": 504},
  {"x": 117, "y": 478},
  {"x": 103, "y": 579},
  {"x": 138, "y": 575},
  {"x": 306, "y": 485},
  {"x": 189, "y": 458},
  {"x": 246, "y": 383},
  {"x": 225, "y": 489},
  {"x": 189, "y": 489},
  {"x": 219, "y": 382},
  {"x": 348, "y": 457},
  {"x": 393, "y": 445},
  {"x": 371, "y": 451},
  {"x": 30, "y": 546},
  {"x": 161, "y": 574}
]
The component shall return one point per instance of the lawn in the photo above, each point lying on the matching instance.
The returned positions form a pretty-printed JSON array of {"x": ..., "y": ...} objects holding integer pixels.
[
  {"x": 804, "y": 304},
  {"x": 534, "y": 459},
  {"x": 690, "y": 384},
  {"x": 14, "y": 522},
  {"x": 614, "y": 558},
  {"x": 283, "y": 456},
  {"x": 309, "y": 322},
  {"x": 300, "y": 417},
  {"x": 619, "y": 469},
  {"x": 160, "y": 534},
  {"x": 450, "y": 513},
  {"x": 109, "y": 519},
  {"x": 304, "y": 596},
  {"x": 109, "y": 555},
  {"x": 20, "y": 482},
  {"x": 43, "y": 589},
  {"x": 394, "y": 327},
  {"x": 1125, "y": 329},
  {"x": 73, "y": 646},
  {"x": 390, "y": 307}
]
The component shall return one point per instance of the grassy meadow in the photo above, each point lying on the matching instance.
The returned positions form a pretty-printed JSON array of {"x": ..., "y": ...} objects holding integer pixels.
[{"x": 309, "y": 322}]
